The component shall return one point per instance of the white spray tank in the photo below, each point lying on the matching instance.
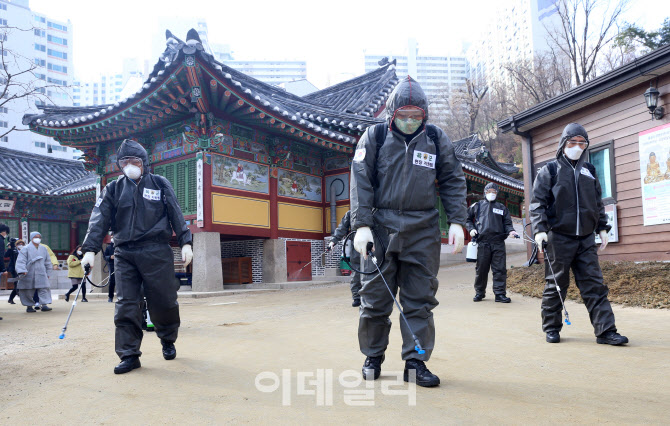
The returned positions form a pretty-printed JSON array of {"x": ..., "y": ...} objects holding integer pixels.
[{"x": 471, "y": 254}]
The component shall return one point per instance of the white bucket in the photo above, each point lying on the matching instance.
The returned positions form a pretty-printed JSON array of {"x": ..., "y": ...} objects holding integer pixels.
[{"x": 471, "y": 254}]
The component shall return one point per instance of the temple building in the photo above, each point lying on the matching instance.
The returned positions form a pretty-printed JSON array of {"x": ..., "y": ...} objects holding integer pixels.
[
  {"x": 257, "y": 170},
  {"x": 50, "y": 195}
]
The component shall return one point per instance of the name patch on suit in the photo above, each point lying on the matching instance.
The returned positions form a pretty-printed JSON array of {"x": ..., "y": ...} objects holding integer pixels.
[
  {"x": 424, "y": 159},
  {"x": 497, "y": 211},
  {"x": 152, "y": 194},
  {"x": 97, "y": 203},
  {"x": 586, "y": 172},
  {"x": 360, "y": 155}
]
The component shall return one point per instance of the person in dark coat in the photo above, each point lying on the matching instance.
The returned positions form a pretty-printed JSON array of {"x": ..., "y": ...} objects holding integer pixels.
[
  {"x": 4, "y": 232},
  {"x": 11, "y": 268},
  {"x": 566, "y": 211},
  {"x": 142, "y": 211},
  {"x": 341, "y": 232},
  {"x": 393, "y": 191},
  {"x": 490, "y": 223},
  {"x": 109, "y": 257}
]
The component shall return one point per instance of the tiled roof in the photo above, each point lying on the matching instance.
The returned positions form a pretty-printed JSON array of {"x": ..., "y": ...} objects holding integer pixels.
[
  {"x": 476, "y": 158},
  {"x": 338, "y": 114},
  {"x": 42, "y": 175}
]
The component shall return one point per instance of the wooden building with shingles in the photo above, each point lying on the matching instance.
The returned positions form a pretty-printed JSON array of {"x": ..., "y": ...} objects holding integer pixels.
[{"x": 52, "y": 196}]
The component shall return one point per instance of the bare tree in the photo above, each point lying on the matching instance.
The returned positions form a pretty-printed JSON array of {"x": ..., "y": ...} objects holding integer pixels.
[
  {"x": 541, "y": 78},
  {"x": 21, "y": 82},
  {"x": 585, "y": 29}
]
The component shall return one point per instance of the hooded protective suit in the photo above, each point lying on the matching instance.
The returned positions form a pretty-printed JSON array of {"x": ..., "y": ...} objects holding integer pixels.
[
  {"x": 567, "y": 204},
  {"x": 396, "y": 198},
  {"x": 341, "y": 232},
  {"x": 142, "y": 217},
  {"x": 493, "y": 223}
]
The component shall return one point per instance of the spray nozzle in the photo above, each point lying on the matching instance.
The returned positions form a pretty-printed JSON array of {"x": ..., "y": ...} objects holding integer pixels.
[{"x": 417, "y": 346}]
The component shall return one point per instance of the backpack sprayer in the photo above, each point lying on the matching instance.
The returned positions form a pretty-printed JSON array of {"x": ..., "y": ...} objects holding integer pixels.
[
  {"x": 87, "y": 271},
  {"x": 368, "y": 250}
]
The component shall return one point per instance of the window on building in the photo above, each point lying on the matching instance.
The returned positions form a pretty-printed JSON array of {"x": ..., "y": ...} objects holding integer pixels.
[
  {"x": 40, "y": 47},
  {"x": 57, "y": 54},
  {"x": 40, "y": 62},
  {"x": 58, "y": 68},
  {"x": 182, "y": 176},
  {"x": 40, "y": 145},
  {"x": 57, "y": 40},
  {"x": 55, "y": 234},
  {"x": 41, "y": 76},
  {"x": 4, "y": 124},
  {"x": 4, "y": 139},
  {"x": 40, "y": 19},
  {"x": 56, "y": 26},
  {"x": 4, "y": 110},
  {"x": 3, "y": 6},
  {"x": 602, "y": 157},
  {"x": 3, "y": 22}
]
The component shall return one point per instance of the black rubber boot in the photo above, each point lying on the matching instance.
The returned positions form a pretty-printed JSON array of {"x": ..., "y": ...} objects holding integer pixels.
[
  {"x": 11, "y": 302},
  {"x": 30, "y": 309},
  {"x": 612, "y": 338},
  {"x": 373, "y": 364},
  {"x": 169, "y": 351},
  {"x": 84, "y": 300},
  {"x": 478, "y": 297},
  {"x": 502, "y": 298},
  {"x": 127, "y": 364},
  {"x": 67, "y": 297},
  {"x": 45, "y": 308},
  {"x": 553, "y": 337},
  {"x": 356, "y": 302},
  {"x": 109, "y": 299},
  {"x": 423, "y": 375}
]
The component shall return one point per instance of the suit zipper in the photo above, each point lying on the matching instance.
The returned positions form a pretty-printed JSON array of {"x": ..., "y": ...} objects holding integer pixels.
[{"x": 576, "y": 194}]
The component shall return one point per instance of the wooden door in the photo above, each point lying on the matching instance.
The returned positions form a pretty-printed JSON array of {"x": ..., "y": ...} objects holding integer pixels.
[{"x": 298, "y": 254}]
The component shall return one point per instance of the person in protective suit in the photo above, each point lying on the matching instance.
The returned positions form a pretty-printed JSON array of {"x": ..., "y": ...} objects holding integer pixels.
[
  {"x": 566, "y": 211},
  {"x": 341, "y": 232},
  {"x": 142, "y": 211},
  {"x": 490, "y": 223},
  {"x": 393, "y": 192}
]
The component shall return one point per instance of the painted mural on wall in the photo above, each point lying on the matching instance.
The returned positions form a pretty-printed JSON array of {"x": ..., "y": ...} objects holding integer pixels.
[
  {"x": 335, "y": 163},
  {"x": 237, "y": 174},
  {"x": 340, "y": 183},
  {"x": 298, "y": 185}
]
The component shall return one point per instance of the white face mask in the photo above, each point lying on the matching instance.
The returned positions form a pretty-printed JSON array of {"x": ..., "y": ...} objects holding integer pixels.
[
  {"x": 132, "y": 171},
  {"x": 491, "y": 197},
  {"x": 19, "y": 247},
  {"x": 37, "y": 240},
  {"x": 79, "y": 252},
  {"x": 573, "y": 153},
  {"x": 111, "y": 240}
]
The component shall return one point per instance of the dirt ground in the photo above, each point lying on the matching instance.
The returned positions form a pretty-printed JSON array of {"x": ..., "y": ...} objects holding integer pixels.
[
  {"x": 492, "y": 359},
  {"x": 631, "y": 284}
]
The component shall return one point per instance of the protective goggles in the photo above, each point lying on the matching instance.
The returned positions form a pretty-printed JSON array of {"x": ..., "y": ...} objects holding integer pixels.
[
  {"x": 491, "y": 191},
  {"x": 409, "y": 111},
  {"x": 572, "y": 143},
  {"x": 135, "y": 161}
]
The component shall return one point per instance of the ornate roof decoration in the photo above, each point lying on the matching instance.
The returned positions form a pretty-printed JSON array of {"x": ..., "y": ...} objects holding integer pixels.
[
  {"x": 476, "y": 158},
  {"x": 42, "y": 175},
  {"x": 188, "y": 81}
]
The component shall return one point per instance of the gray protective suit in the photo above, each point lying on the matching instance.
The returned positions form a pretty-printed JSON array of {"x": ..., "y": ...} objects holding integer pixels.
[
  {"x": 341, "y": 232},
  {"x": 567, "y": 204},
  {"x": 142, "y": 216},
  {"x": 493, "y": 223},
  {"x": 396, "y": 198}
]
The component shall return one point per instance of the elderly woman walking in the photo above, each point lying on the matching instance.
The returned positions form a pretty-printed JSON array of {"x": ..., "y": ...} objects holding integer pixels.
[{"x": 33, "y": 266}]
